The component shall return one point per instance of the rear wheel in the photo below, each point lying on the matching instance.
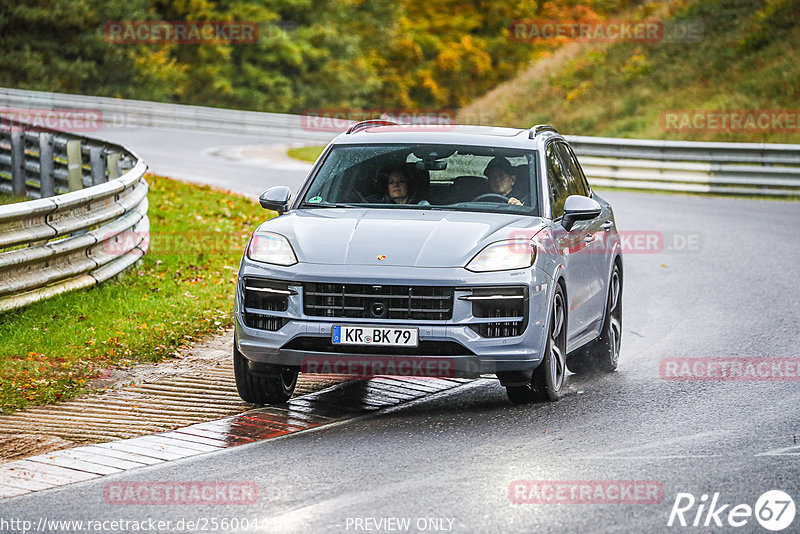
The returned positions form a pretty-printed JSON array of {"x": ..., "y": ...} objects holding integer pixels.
[
  {"x": 602, "y": 355},
  {"x": 272, "y": 384},
  {"x": 548, "y": 377}
]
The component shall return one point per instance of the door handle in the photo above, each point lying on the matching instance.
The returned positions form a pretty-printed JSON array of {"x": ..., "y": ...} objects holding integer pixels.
[
  {"x": 607, "y": 225},
  {"x": 589, "y": 238}
]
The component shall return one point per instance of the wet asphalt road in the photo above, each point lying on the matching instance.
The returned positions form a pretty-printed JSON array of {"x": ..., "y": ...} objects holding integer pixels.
[
  {"x": 212, "y": 158},
  {"x": 453, "y": 456}
]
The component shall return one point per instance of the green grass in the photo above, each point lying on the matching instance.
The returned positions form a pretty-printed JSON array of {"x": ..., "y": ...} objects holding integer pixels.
[
  {"x": 306, "y": 153},
  {"x": 181, "y": 289},
  {"x": 746, "y": 60},
  {"x": 8, "y": 199}
]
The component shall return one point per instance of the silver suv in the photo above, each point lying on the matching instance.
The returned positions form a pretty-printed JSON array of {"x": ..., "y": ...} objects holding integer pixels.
[{"x": 432, "y": 251}]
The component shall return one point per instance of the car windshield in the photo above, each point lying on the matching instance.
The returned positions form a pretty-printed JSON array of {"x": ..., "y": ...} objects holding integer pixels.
[{"x": 452, "y": 177}]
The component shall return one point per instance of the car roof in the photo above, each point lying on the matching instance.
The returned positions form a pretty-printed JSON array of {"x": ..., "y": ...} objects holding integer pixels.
[{"x": 449, "y": 134}]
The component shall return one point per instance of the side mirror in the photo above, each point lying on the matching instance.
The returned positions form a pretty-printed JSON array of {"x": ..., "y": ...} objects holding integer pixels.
[
  {"x": 579, "y": 208},
  {"x": 276, "y": 199}
]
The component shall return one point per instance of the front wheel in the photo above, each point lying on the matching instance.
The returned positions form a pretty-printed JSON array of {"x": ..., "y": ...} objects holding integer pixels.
[
  {"x": 275, "y": 385},
  {"x": 603, "y": 353},
  {"x": 548, "y": 378}
]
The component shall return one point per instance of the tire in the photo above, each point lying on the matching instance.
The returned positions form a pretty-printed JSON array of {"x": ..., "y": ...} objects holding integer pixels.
[
  {"x": 602, "y": 354},
  {"x": 274, "y": 386},
  {"x": 548, "y": 378}
]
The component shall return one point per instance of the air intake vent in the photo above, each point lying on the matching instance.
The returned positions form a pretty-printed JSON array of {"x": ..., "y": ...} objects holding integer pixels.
[
  {"x": 363, "y": 301},
  {"x": 261, "y": 297},
  {"x": 264, "y": 322},
  {"x": 509, "y": 303}
]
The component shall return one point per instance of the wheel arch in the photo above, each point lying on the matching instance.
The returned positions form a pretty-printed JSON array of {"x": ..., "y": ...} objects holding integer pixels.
[
  {"x": 561, "y": 282},
  {"x": 618, "y": 263}
]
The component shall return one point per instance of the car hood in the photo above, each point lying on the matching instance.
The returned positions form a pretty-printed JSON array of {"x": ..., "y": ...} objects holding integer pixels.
[{"x": 413, "y": 238}]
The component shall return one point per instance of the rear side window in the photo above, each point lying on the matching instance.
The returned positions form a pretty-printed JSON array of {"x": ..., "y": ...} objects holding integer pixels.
[
  {"x": 576, "y": 181},
  {"x": 557, "y": 181}
]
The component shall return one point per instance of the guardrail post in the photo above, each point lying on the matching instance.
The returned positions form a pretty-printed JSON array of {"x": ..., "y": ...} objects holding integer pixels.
[
  {"x": 112, "y": 163},
  {"x": 18, "y": 163},
  {"x": 98, "y": 165},
  {"x": 46, "y": 181},
  {"x": 74, "y": 172}
]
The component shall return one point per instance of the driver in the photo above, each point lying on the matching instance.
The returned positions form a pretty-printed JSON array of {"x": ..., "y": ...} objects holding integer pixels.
[
  {"x": 501, "y": 178},
  {"x": 398, "y": 188}
]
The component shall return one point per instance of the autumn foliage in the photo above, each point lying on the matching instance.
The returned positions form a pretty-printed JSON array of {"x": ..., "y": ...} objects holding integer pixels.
[{"x": 326, "y": 53}]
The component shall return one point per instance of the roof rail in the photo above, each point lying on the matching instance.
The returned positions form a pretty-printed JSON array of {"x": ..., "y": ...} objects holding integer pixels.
[
  {"x": 539, "y": 128},
  {"x": 369, "y": 124}
]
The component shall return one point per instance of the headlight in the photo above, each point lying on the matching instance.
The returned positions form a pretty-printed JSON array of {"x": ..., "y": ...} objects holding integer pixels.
[
  {"x": 271, "y": 248},
  {"x": 503, "y": 255}
]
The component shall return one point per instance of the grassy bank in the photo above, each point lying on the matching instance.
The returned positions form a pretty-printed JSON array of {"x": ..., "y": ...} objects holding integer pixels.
[
  {"x": 744, "y": 60},
  {"x": 306, "y": 153},
  {"x": 182, "y": 288},
  {"x": 8, "y": 199}
]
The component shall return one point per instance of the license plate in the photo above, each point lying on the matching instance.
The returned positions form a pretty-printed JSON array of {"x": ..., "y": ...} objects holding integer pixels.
[{"x": 390, "y": 336}]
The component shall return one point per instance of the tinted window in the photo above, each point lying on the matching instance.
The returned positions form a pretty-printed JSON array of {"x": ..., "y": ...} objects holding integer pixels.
[
  {"x": 572, "y": 172},
  {"x": 556, "y": 176},
  {"x": 583, "y": 180},
  {"x": 576, "y": 181},
  {"x": 432, "y": 176}
]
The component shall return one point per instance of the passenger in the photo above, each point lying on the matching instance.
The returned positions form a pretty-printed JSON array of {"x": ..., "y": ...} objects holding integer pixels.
[{"x": 501, "y": 178}]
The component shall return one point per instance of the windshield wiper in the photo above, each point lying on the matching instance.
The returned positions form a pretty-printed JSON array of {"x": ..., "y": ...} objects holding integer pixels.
[{"x": 327, "y": 205}]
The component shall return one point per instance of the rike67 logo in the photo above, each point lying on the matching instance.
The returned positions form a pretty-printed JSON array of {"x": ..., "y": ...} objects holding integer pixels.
[{"x": 774, "y": 510}]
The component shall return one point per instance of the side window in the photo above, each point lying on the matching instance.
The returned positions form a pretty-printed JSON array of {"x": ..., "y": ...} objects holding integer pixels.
[
  {"x": 575, "y": 177},
  {"x": 557, "y": 181},
  {"x": 584, "y": 182}
]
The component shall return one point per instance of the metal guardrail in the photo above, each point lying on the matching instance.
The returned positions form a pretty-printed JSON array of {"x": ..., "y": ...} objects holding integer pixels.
[
  {"x": 720, "y": 168},
  {"x": 116, "y": 112},
  {"x": 94, "y": 231},
  {"x": 40, "y": 164},
  {"x": 726, "y": 168}
]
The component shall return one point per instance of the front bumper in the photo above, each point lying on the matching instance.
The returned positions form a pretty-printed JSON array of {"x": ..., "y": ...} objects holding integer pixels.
[{"x": 466, "y": 353}]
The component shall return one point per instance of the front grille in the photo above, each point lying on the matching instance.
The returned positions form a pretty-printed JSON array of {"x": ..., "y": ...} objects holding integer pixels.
[
  {"x": 500, "y": 303},
  {"x": 372, "y": 301},
  {"x": 262, "y": 296},
  {"x": 425, "y": 347}
]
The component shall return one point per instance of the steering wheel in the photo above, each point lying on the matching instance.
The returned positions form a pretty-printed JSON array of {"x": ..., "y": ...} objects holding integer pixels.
[
  {"x": 497, "y": 197},
  {"x": 361, "y": 197}
]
